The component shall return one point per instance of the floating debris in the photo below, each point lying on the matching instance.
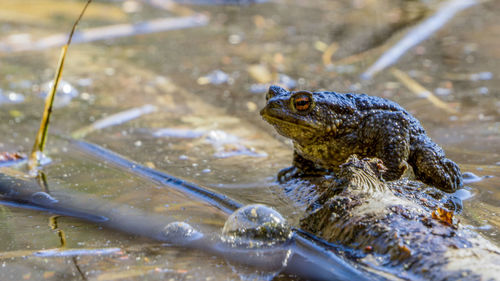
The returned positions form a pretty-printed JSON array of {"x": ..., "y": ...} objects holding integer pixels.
[
  {"x": 481, "y": 76},
  {"x": 110, "y": 32},
  {"x": 44, "y": 198},
  {"x": 77, "y": 252},
  {"x": 65, "y": 92},
  {"x": 218, "y": 137},
  {"x": 227, "y": 145},
  {"x": 328, "y": 53},
  {"x": 418, "y": 34},
  {"x": 215, "y": 77},
  {"x": 420, "y": 91},
  {"x": 7, "y": 158},
  {"x": 178, "y": 133},
  {"x": 360, "y": 56},
  {"x": 224, "y": 144},
  {"x": 444, "y": 216},
  {"x": 115, "y": 119}
]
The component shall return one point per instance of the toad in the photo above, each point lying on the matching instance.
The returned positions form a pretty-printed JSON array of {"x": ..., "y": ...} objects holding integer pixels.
[{"x": 327, "y": 127}]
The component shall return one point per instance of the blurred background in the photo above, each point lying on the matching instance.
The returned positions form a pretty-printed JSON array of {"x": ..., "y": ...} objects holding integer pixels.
[{"x": 196, "y": 73}]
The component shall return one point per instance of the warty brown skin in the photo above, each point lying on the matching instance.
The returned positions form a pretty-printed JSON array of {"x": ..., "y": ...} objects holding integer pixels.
[{"x": 328, "y": 127}]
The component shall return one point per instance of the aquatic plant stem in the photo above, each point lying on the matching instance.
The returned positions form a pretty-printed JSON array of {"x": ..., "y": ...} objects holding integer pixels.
[{"x": 41, "y": 137}]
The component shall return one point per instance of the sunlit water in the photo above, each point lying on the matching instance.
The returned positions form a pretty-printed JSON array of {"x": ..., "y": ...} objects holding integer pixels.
[{"x": 207, "y": 129}]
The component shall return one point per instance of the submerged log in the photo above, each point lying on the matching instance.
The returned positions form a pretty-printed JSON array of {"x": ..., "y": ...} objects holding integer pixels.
[
  {"x": 403, "y": 227},
  {"x": 300, "y": 255}
]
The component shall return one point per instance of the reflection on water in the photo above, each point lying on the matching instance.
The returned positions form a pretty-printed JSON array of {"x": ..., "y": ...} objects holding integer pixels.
[{"x": 210, "y": 132}]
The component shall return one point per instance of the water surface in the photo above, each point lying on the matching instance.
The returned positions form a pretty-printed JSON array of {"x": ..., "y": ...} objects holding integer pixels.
[{"x": 207, "y": 83}]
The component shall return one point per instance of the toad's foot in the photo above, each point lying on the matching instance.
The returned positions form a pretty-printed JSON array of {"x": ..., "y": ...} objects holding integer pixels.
[
  {"x": 294, "y": 172},
  {"x": 446, "y": 175},
  {"x": 432, "y": 167}
]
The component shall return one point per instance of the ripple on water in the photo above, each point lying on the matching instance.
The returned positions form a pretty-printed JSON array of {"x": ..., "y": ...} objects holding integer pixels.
[{"x": 470, "y": 177}]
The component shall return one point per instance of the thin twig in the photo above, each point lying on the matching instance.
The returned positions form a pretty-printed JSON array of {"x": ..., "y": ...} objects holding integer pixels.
[
  {"x": 418, "y": 34},
  {"x": 328, "y": 53},
  {"x": 111, "y": 32},
  {"x": 41, "y": 137},
  {"x": 115, "y": 119},
  {"x": 420, "y": 91},
  {"x": 78, "y": 269},
  {"x": 360, "y": 56}
]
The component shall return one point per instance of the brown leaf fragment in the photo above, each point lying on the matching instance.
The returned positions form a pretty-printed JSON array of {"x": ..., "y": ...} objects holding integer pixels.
[
  {"x": 405, "y": 251},
  {"x": 8, "y": 156},
  {"x": 443, "y": 215}
]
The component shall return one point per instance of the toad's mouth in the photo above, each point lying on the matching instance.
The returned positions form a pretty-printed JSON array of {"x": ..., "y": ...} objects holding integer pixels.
[
  {"x": 278, "y": 121},
  {"x": 277, "y": 118}
]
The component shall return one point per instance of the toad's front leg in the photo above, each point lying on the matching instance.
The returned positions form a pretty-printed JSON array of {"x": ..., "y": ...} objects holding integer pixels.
[
  {"x": 389, "y": 136},
  {"x": 301, "y": 167},
  {"x": 432, "y": 167}
]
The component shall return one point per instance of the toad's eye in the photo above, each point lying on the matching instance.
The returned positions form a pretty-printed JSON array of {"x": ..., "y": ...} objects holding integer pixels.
[{"x": 302, "y": 101}]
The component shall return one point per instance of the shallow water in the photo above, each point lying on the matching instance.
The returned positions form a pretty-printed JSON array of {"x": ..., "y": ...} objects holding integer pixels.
[{"x": 206, "y": 128}]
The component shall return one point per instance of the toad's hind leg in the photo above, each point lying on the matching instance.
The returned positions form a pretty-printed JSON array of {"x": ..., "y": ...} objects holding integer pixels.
[{"x": 432, "y": 167}]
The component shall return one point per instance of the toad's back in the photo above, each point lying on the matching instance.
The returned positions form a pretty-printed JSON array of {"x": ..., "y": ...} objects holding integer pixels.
[
  {"x": 366, "y": 103},
  {"x": 328, "y": 127}
]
